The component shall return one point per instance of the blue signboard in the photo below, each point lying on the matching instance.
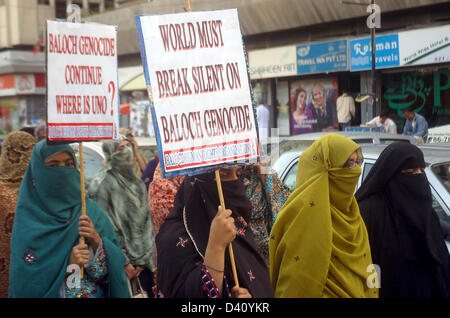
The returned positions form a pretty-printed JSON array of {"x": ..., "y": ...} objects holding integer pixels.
[
  {"x": 322, "y": 57},
  {"x": 365, "y": 129},
  {"x": 386, "y": 53}
]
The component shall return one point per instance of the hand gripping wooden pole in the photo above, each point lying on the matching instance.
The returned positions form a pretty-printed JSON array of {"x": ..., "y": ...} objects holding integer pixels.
[
  {"x": 230, "y": 247},
  {"x": 83, "y": 197}
]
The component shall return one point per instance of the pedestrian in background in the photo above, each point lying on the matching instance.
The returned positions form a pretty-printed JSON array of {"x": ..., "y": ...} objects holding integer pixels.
[
  {"x": 28, "y": 129},
  {"x": 161, "y": 196},
  {"x": 263, "y": 118},
  {"x": 319, "y": 247},
  {"x": 415, "y": 125},
  {"x": 139, "y": 161},
  {"x": 383, "y": 121},
  {"x": 47, "y": 229},
  {"x": 122, "y": 195},
  {"x": 40, "y": 132},
  {"x": 345, "y": 106},
  {"x": 267, "y": 194},
  {"x": 14, "y": 160},
  {"x": 149, "y": 172},
  {"x": 404, "y": 231}
]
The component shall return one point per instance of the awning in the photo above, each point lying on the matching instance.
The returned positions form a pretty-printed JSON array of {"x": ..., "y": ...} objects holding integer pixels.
[
  {"x": 125, "y": 109},
  {"x": 137, "y": 83},
  {"x": 128, "y": 77}
]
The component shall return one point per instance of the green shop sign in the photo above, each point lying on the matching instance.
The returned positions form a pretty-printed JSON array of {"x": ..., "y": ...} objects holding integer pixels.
[{"x": 428, "y": 92}]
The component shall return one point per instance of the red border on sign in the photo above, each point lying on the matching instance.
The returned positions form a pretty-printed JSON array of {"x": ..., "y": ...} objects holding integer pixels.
[
  {"x": 79, "y": 124},
  {"x": 210, "y": 161}
]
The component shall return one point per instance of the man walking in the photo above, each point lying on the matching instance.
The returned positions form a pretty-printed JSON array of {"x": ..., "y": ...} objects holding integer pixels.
[
  {"x": 263, "y": 116},
  {"x": 345, "y": 106}
]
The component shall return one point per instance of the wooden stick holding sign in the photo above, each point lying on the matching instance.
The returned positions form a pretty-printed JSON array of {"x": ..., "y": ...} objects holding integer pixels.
[
  {"x": 187, "y": 3},
  {"x": 230, "y": 247},
  {"x": 74, "y": 16},
  {"x": 83, "y": 196}
]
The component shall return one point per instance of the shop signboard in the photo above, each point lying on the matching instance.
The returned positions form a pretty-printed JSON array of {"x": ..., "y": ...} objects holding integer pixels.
[
  {"x": 386, "y": 52},
  {"x": 425, "y": 46},
  {"x": 273, "y": 62},
  {"x": 322, "y": 57}
]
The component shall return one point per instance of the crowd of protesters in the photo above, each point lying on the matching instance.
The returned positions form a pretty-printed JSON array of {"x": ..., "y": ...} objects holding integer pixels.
[{"x": 173, "y": 236}]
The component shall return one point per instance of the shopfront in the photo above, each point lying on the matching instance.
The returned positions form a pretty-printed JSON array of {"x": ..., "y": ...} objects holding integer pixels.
[
  {"x": 268, "y": 69},
  {"x": 414, "y": 69},
  {"x": 426, "y": 89},
  {"x": 302, "y": 83},
  {"x": 22, "y": 101}
]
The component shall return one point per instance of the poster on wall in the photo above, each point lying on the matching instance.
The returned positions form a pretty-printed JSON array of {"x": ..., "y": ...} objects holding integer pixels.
[
  {"x": 313, "y": 105},
  {"x": 198, "y": 85},
  {"x": 141, "y": 122}
]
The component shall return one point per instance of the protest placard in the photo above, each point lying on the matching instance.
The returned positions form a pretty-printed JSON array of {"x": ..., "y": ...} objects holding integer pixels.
[
  {"x": 198, "y": 85},
  {"x": 82, "y": 90}
]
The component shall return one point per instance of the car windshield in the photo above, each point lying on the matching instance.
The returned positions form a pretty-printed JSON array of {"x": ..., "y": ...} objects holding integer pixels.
[
  {"x": 442, "y": 171},
  {"x": 388, "y": 141},
  {"x": 298, "y": 145},
  {"x": 289, "y": 145}
]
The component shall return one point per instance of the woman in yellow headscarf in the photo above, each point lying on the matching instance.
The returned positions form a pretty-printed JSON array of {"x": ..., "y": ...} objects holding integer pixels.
[{"x": 319, "y": 244}]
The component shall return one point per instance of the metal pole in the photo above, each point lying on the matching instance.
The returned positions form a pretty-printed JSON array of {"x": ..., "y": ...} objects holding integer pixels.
[{"x": 373, "y": 72}]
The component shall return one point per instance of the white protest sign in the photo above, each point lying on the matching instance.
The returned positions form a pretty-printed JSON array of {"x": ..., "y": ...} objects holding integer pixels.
[
  {"x": 82, "y": 90},
  {"x": 195, "y": 67}
]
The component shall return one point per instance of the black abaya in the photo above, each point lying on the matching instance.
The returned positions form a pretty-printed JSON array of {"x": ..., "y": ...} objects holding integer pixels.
[{"x": 404, "y": 231}]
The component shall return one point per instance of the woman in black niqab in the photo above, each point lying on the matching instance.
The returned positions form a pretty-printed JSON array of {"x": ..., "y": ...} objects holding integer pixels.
[
  {"x": 183, "y": 239},
  {"x": 404, "y": 231}
]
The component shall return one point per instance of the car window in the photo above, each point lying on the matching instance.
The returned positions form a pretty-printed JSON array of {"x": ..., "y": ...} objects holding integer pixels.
[
  {"x": 367, "y": 167},
  {"x": 291, "y": 177},
  {"x": 93, "y": 162},
  {"x": 388, "y": 141},
  {"x": 288, "y": 145},
  {"x": 439, "y": 209},
  {"x": 363, "y": 141},
  {"x": 442, "y": 172}
]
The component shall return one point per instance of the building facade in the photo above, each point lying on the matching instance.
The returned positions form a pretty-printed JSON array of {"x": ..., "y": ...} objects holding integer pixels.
[
  {"x": 310, "y": 44},
  {"x": 22, "y": 60}
]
